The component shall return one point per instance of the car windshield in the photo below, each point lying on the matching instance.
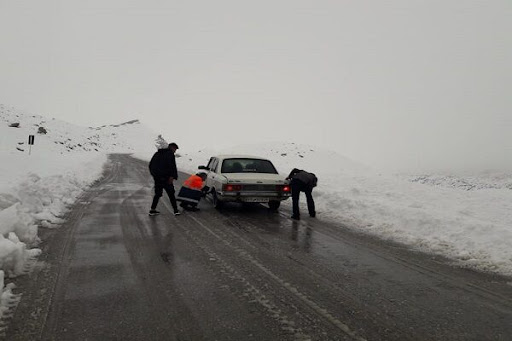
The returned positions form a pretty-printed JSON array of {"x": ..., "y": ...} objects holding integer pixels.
[{"x": 248, "y": 166}]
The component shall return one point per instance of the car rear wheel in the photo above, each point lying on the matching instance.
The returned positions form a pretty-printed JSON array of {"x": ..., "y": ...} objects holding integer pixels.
[
  {"x": 274, "y": 205},
  {"x": 216, "y": 202}
]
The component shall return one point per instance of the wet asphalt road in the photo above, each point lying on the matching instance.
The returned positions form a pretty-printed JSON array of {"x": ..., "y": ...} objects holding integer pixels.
[{"x": 114, "y": 273}]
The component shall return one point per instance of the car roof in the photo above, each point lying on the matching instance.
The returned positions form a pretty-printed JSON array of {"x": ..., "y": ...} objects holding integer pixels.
[{"x": 240, "y": 156}]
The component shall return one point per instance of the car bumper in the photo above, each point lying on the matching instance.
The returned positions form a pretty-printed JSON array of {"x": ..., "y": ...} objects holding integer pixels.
[{"x": 252, "y": 196}]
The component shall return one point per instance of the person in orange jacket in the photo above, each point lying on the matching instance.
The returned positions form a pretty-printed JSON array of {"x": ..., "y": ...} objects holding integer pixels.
[
  {"x": 195, "y": 181},
  {"x": 192, "y": 190}
]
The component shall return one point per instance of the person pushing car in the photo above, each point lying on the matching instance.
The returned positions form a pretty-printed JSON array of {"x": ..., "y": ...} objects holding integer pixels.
[
  {"x": 192, "y": 191},
  {"x": 302, "y": 181}
]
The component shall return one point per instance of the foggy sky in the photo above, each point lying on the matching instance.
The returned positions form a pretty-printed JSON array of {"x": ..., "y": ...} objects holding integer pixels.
[{"x": 396, "y": 84}]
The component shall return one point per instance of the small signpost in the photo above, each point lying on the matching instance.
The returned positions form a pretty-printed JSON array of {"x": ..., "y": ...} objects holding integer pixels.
[{"x": 30, "y": 143}]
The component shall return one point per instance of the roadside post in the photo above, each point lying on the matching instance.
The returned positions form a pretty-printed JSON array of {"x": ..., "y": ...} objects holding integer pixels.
[{"x": 30, "y": 143}]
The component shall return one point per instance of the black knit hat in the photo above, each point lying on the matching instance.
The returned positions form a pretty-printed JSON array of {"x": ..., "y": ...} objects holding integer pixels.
[{"x": 171, "y": 145}]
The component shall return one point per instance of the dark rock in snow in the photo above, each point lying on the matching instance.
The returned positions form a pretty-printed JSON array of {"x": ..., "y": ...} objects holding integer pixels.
[
  {"x": 125, "y": 123},
  {"x": 42, "y": 130},
  {"x": 14, "y": 125}
]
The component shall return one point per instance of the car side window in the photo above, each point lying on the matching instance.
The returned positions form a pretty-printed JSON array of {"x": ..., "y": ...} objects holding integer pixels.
[
  {"x": 215, "y": 162},
  {"x": 210, "y": 163}
]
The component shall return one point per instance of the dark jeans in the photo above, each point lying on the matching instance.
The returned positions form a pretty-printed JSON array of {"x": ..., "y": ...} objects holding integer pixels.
[
  {"x": 297, "y": 187},
  {"x": 190, "y": 197},
  {"x": 160, "y": 185}
]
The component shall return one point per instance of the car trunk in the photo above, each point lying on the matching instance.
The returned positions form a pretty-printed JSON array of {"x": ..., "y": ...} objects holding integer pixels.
[{"x": 256, "y": 181}]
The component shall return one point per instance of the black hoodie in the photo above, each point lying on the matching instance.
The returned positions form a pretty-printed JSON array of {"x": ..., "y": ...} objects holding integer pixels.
[
  {"x": 309, "y": 179},
  {"x": 163, "y": 164}
]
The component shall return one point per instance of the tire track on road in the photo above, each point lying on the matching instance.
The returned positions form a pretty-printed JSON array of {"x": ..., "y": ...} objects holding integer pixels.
[
  {"x": 293, "y": 292},
  {"x": 288, "y": 286}
]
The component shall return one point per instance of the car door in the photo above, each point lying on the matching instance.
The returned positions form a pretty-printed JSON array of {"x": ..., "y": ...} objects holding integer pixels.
[
  {"x": 212, "y": 173},
  {"x": 216, "y": 177}
]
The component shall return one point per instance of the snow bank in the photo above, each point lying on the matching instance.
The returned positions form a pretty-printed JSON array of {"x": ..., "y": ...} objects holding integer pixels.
[
  {"x": 468, "y": 182},
  {"x": 40, "y": 200},
  {"x": 37, "y": 188},
  {"x": 8, "y": 300},
  {"x": 472, "y": 228},
  {"x": 38, "y": 183}
]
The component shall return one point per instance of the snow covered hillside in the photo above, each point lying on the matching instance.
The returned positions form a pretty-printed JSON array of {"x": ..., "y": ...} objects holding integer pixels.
[
  {"x": 62, "y": 146},
  {"x": 61, "y": 137},
  {"x": 36, "y": 189},
  {"x": 473, "y": 228},
  {"x": 283, "y": 154}
]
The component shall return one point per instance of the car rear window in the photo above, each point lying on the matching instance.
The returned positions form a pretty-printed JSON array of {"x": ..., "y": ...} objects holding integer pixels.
[{"x": 248, "y": 166}]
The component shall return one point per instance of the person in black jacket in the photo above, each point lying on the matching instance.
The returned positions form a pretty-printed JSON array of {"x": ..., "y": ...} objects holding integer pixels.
[
  {"x": 163, "y": 170},
  {"x": 302, "y": 181}
]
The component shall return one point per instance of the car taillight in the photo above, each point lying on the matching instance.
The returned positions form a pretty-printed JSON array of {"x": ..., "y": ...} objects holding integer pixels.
[
  {"x": 283, "y": 188},
  {"x": 232, "y": 188}
]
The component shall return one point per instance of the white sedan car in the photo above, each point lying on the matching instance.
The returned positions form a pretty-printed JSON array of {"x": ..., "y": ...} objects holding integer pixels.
[{"x": 245, "y": 179}]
